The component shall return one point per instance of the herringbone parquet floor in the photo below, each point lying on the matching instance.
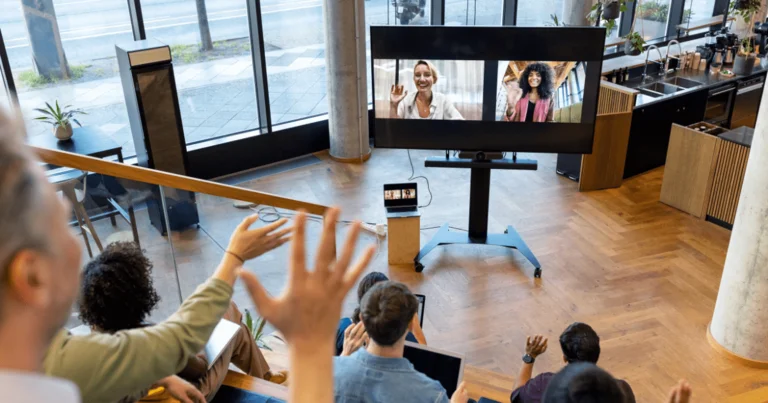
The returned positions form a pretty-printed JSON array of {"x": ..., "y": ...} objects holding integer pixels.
[{"x": 643, "y": 274}]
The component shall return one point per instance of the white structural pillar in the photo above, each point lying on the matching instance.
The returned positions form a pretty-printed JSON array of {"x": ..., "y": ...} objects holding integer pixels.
[
  {"x": 345, "y": 63},
  {"x": 740, "y": 321},
  {"x": 575, "y": 12}
]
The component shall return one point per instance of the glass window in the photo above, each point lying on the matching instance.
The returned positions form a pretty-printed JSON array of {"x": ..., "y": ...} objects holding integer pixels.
[
  {"x": 538, "y": 13},
  {"x": 473, "y": 12},
  {"x": 651, "y": 18},
  {"x": 383, "y": 12},
  {"x": 82, "y": 74},
  {"x": 294, "y": 40},
  {"x": 211, "y": 48},
  {"x": 696, "y": 10}
]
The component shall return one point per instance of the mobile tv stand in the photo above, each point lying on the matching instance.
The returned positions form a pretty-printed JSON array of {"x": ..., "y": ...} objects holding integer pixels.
[{"x": 480, "y": 189}]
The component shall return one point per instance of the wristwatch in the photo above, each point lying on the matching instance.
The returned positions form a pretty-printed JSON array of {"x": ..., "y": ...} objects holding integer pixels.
[{"x": 528, "y": 359}]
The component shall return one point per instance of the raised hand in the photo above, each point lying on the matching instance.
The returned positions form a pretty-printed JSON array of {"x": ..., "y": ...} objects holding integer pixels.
[
  {"x": 537, "y": 346},
  {"x": 246, "y": 243},
  {"x": 355, "y": 337},
  {"x": 681, "y": 393},
  {"x": 310, "y": 306},
  {"x": 397, "y": 93}
]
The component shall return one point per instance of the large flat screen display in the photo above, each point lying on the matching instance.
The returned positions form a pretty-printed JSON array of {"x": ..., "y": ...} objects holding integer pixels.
[{"x": 486, "y": 89}]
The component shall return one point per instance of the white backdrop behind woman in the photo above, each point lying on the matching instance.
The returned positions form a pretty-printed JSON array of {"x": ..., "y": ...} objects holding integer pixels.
[{"x": 460, "y": 80}]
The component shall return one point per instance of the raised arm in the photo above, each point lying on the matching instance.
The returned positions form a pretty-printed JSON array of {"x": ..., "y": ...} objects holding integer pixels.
[
  {"x": 108, "y": 367},
  {"x": 533, "y": 348},
  {"x": 396, "y": 95}
]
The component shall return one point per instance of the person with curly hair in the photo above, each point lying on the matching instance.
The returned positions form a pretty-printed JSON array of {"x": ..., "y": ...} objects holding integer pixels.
[
  {"x": 117, "y": 293},
  {"x": 537, "y": 103},
  {"x": 108, "y": 367}
]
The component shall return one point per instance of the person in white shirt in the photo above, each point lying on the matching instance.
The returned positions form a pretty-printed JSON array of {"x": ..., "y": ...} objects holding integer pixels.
[
  {"x": 39, "y": 265},
  {"x": 424, "y": 103}
]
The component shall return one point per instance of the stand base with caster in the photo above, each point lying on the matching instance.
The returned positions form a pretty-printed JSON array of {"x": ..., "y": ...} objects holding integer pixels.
[
  {"x": 478, "y": 211},
  {"x": 509, "y": 239}
]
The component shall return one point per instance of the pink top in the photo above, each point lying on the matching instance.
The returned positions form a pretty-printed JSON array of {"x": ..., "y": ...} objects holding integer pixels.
[{"x": 539, "y": 113}]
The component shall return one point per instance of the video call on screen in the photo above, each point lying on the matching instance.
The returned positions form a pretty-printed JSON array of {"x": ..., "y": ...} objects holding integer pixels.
[
  {"x": 399, "y": 194},
  {"x": 525, "y": 91}
]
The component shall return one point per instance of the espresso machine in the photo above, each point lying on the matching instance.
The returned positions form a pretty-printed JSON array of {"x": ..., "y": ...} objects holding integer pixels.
[{"x": 761, "y": 29}]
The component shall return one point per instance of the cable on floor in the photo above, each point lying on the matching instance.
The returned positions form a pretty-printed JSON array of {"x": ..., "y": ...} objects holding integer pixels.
[{"x": 413, "y": 172}]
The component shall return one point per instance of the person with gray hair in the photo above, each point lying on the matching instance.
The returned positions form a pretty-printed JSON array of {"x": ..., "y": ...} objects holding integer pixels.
[{"x": 39, "y": 259}]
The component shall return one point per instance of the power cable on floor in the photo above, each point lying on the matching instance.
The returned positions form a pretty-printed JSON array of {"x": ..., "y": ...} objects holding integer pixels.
[{"x": 413, "y": 172}]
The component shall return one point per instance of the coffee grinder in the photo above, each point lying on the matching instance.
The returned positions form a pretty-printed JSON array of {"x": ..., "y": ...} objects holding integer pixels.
[{"x": 761, "y": 29}]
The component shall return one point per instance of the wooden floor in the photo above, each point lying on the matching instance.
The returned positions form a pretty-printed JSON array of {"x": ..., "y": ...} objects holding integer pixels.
[{"x": 643, "y": 274}]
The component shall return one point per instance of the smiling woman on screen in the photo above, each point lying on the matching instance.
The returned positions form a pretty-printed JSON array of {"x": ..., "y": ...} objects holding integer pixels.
[
  {"x": 537, "y": 102},
  {"x": 424, "y": 103}
]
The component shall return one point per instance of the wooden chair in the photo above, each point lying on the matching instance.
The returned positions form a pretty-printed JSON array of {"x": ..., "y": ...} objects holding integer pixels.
[{"x": 68, "y": 183}]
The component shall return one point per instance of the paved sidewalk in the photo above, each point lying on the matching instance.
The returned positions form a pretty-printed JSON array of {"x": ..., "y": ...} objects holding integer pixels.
[{"x": 216, "y": 98}]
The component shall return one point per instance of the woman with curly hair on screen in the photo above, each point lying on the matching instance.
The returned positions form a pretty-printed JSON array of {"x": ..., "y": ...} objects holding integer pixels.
[{"x": 537, "y": 103}]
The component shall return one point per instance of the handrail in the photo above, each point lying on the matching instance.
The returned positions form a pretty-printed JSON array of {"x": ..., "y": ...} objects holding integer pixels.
[{"x": 154, "y": 177}]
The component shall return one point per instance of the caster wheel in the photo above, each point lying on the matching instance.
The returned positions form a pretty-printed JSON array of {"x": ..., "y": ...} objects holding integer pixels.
[
  {"x": 537, "y": 273},
  {"x": 419, "y": 267}
]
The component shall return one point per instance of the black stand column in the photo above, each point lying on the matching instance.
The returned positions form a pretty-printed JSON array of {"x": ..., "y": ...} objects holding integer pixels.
[{"x": 479, "y": 195}]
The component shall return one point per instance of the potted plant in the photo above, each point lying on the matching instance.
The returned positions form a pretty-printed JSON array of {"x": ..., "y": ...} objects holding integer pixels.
[
  {"x": 634, "y": 43},
  {"x": 607, "y": 10},
  {"x": 746, "y": 56},
  {"x": 60, "y": 119},
  {"x": 257, "y": 329}
]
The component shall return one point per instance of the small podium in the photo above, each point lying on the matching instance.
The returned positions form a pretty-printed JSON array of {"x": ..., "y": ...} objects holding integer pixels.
[{"x": 403, "y": 238}]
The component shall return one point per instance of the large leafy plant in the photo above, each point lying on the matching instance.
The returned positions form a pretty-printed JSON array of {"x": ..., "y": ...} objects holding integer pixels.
[
  {"x": 256, "y": 328},
  {"x": 57, "y": 116}
]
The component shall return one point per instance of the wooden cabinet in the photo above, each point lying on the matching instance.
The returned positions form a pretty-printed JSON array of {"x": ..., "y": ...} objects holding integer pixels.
[{"x": 649, "y": 133}]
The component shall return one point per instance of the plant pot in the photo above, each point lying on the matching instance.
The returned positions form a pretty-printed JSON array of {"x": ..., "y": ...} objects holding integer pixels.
[
  {"x": 744, "y": 64},
  {"x": 63, "y": 133},
  {"x": 629, "y": 50},
  {"x": 611, "y": 10}
]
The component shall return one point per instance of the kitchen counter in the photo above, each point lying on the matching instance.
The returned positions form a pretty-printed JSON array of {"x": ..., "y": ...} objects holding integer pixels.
[
  {"x": 707, "y": 80},
  {"x": 741, "y": 136}
]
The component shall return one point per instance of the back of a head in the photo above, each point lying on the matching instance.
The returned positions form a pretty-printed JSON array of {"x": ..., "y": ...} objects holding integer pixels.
[
  {"x": 20, "y": 196},
  {"x": 387, "y": 310},
  {"x": 117, "y": 291},
  {"x": 583, "y": 382},
  {"x": 365, "y": 284},
  {"x": 580, "y": 343}
]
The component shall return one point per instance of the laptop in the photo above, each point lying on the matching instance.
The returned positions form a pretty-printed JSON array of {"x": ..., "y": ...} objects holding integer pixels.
[
  {"x": 422, "y": 300},
  {"x": 222, "y": 335},
  {"x": 401, "y": 200},
  {"x": 442, "y": 366}
]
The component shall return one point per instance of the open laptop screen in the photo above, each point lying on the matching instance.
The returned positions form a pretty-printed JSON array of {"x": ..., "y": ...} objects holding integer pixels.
[
  {"x": 442, "y": 366},
  {"x": 400, "y": 195}
]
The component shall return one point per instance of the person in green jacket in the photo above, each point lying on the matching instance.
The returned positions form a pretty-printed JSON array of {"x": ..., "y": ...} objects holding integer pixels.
[{"x": 108, "y": 367}]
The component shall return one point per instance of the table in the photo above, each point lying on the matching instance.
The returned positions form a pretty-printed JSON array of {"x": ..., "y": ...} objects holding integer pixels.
[{"x": 92, "y": 142}]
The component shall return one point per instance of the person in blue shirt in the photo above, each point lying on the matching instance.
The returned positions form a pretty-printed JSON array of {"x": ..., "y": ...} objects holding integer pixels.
[
  {"x": 379, "y": 373},
  {"x": 347, "y": 325}
]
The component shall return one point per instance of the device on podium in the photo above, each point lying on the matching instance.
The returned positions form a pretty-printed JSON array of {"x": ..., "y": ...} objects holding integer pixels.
[{"x": 485, "y": 90}]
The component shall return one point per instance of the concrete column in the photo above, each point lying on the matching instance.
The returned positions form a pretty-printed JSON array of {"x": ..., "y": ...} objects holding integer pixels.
[
  {"x": 345, "y": 63},
  {"x": 575, "y": 11},
  {"x": 740, "y": 321}
]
